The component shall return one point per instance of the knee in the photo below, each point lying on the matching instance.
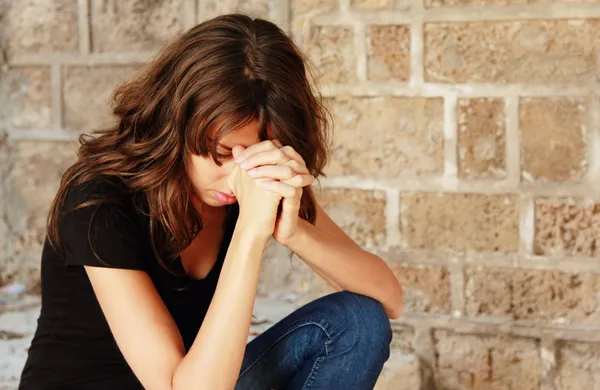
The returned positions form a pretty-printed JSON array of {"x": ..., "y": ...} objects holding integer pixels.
[{"x": 368, "y": 324}]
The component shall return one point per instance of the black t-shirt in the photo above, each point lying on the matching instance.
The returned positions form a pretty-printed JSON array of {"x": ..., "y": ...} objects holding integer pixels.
[{"x": 73, "y": 347}]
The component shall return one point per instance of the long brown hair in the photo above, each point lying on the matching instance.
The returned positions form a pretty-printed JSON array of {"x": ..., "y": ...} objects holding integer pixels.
[{"x": 228, "y": 70}]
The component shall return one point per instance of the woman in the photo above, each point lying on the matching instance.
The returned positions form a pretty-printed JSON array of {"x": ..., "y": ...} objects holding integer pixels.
[{"x": 155, "y": 237}]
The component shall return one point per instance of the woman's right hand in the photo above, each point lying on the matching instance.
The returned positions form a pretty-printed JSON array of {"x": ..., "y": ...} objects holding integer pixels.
[{"x": 258, "y": 206}]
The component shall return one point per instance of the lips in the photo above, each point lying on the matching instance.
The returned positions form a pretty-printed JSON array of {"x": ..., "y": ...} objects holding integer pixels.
[{"x": 224, "y": 199}]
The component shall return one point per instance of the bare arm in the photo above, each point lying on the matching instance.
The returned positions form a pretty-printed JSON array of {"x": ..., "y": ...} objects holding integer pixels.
[
  {"x": 344, "y": 264},
  {"x": 149, "y": 339}
]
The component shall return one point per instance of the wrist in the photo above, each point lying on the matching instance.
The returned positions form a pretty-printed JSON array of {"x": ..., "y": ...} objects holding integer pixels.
[
  {"x": 250, "y": 232},
  {"x": 298, "y": 239}
]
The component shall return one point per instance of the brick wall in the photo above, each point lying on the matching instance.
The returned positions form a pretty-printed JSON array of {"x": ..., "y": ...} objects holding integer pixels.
[{"x": 466, "y": 153}]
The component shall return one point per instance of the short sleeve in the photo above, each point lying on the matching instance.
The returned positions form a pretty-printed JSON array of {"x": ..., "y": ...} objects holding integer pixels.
[{"x": 102, "y": 236}]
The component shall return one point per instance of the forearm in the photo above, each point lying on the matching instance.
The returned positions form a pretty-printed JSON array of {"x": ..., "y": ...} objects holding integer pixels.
[
  {"x": 215, "y": 358},
  {"x": 348, "y": 266}
]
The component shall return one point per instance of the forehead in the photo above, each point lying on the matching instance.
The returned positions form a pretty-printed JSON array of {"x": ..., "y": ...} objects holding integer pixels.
[{"x": 246, "y": 135}]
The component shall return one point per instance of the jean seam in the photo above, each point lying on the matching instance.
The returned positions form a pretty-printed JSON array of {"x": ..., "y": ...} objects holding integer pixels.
[
  {"x": 311, "y": 374},
  {"x": 282, "y": 337}
]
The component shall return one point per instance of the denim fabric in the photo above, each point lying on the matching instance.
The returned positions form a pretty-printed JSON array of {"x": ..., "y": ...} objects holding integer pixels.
[{"x": 339, "y": 341}]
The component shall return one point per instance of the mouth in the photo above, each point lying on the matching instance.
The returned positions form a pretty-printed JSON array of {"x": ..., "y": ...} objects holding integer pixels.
[{"x": 223, "y": 198}]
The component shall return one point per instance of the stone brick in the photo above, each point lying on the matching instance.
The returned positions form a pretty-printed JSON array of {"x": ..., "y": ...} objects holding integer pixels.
[
  {"x": 557, "y": 51},
  {"x": 88, "y": 95},
  {"x": 552, "y": 133},
  {"x": 460, "y": 221},
  {"x": 461, "y": 3},
  {"x": 134, "y": 25},
  {"x": 361, "y": 214},
  {"x": 36, "y": 168},
  {"x": 402, "y": 340},
  {"x": 210, "y": 8},
  {"x": 41, "y": 26},
  {"x": 482, "y": 362},
  {"x": 330, "y": 50},
  {"x": 387, "y": 137},
  {"x": 426, "y": 288},
  {"x": 371, "y": 4},
  {"x": 302, "y": 6},
  {"x": 481, "y": 138},
  {"x": 528, "y": 294},
  {"x": 566, "y": 227},
  {"x": 578, "y": 366},
  {"x": 25, "y": 98},
  {"x": 389, "y": 52},
  {"x": 400, "y": 372}
]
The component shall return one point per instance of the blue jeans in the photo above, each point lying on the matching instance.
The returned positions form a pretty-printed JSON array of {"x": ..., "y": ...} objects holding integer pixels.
[{"x": 339, "y": 341}]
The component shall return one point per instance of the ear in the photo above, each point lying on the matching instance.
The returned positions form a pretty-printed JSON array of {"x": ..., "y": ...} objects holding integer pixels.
[{"x": 237, "y": 150}]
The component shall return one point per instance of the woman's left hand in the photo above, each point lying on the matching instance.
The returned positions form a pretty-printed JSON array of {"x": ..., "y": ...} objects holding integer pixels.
[{"x": 288, "y": 175}]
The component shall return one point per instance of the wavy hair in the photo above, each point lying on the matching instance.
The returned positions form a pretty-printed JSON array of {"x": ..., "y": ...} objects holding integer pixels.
[{"x": 229, "y": 70}]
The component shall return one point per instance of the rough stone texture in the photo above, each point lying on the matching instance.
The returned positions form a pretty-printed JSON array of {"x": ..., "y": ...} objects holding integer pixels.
[
  {"x": 389, "y": 52},
  {"x": 26, "y": 98},
  {"x": 88, "y": 94},
  {"x": 361, "y": 214},
  {"x": 133, "y": 24},
  {"x": 481, "y": 139},
  {"x": 461, "y": 3},
  {"x": 36, "y": 169},
  {"x": 41, "y": 26},
  {"x": 400, "y": 372},
  {"x": 302, "y": 6},
  {"x": 553, "y": 140},
  {"x": 331, "y": 52},
  {"x": 512, "y": 52},
  {"x": 426, "y": 288},
  {"x": 371, "y": 4},
  {"x": 527, "y": 294},
  {"x": 386, "y": 137},
  {"x": 460, "y": 221},
  {"x": 482, "y": 362},
  {"x": 578, "y": 366},
  {"x": 567, "y": 227},
  {"x": 402, "y": 340},
  {"x": 211, "y": 8}
]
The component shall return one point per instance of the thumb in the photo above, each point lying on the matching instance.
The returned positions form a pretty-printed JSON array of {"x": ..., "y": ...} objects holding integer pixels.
[{"x": 237, "y": 150}]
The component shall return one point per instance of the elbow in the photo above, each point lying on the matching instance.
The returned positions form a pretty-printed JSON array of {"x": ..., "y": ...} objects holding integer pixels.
[{"x": 396, "y": 306}]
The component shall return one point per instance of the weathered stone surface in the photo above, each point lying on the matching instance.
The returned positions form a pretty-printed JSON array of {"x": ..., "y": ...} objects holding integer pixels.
[
  {"x": 461, "y": 3},
  {"x": 210, "y": 8},
  {"x": 552, "y": 132},
  {"x": 41, "y": 26},
  {"x": 385, "y": 137},
  {"x": 578, "y": 366},
  {"x": 481, "y": 138},
  {"x": 330, "y": 50},
  {"x": 361, "y": 214},
  {"x": 527, "y": 294},
  {"x": 400, "y": 372},
  {"x": 36, "y": 169},
  {"x": 134, "y": 25},
  {"x": 566, "y": 227},
  {"x": 25, "y": 100},
  {"x": 402, "y": 340},
  {"x": 482, "y": 362},
  {"x": 460, "y": 221},
  {"x": 371, "y": 4},
  {"x": 557, "y": 51},
  {"x": 302, "y": 6},
  {"x": 389, "y": 52},
  {"x": 88, "y": 95},
  {"x": 426, "y": 288}
]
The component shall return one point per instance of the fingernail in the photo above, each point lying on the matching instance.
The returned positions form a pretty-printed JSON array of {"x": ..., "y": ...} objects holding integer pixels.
[
  {"x": 266, "y": 185},
  {"x": 252, "y": 172},
  {"x": 239, "y": 160}
]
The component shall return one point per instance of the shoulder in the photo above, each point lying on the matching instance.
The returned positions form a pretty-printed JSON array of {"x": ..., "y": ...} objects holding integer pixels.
[{"x": 99, "y": 224}]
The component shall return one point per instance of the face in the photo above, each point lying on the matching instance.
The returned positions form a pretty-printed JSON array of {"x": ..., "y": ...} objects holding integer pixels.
[{"x": 210, "y": 180}]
